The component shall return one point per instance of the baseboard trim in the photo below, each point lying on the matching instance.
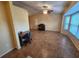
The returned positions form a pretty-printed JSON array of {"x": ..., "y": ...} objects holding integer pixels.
[
  {"x": 6, "y": 52},
  {"x": 75, "y": 44},
  {"x": 72, "y": 38}
]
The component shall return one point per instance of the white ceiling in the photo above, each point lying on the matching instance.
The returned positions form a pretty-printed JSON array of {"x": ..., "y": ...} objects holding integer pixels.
[{"x": 36, "y": 6}]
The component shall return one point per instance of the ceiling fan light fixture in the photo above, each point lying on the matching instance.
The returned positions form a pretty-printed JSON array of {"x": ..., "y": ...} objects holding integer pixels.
[{"x": 45, "y": 11}]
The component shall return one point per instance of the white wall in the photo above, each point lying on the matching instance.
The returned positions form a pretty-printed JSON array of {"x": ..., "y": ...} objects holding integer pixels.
[
  {"x": 5, "y": 38},
  {"x": 20, "y": 20},
  {"x": 51, "y": 21}
]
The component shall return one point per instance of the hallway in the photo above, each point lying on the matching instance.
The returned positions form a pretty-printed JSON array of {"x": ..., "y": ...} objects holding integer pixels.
[{"x": 46, "y": 44}]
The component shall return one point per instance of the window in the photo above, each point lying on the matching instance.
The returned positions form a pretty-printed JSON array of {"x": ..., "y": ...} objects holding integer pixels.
[
  {"x": 66, "y": 22},
  {"x": 74, "y": 24}
]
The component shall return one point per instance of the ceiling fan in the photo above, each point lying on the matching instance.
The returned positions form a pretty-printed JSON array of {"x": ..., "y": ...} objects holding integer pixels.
[{"x": 46, "y": 10}]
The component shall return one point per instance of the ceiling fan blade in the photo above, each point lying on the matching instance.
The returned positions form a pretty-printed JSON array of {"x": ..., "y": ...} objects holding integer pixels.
[{"x": 50, "y": 11}]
